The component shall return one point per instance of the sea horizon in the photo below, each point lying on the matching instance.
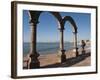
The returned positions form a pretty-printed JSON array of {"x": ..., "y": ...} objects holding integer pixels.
[{"x": 46, "y": 47}]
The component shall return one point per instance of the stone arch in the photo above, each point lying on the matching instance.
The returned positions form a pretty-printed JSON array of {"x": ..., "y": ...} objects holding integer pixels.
[
  {"x": 34, "y": 20},
  {"x": 34, "y": 16},
  {"x": 74, "y": 28},
  {"x": 71, "y": 21}
]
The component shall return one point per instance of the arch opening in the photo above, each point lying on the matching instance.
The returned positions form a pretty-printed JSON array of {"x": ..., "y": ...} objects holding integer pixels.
[
  {"x": 68, "y": 40},
  {"x": 74, "y": 29},
  {"x": 47, "y": 37}
]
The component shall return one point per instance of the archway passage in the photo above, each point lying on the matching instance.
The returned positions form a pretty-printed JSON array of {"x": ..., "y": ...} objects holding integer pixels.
[
  {"x": 62, "y": 27},
  {"x": 74, "y": 29},
  {"x": 34, "y": 20},
  {"x": 47, "y": 39}
]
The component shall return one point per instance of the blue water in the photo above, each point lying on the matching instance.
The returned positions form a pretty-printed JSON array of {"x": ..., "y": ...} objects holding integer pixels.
[{"x": 45, "y": 48}]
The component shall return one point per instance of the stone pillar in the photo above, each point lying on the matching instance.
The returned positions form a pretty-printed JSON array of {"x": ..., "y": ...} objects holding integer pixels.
[
  {"x": 75, "y": 43},
  {"x": 62, "y": 51},
  {"x": 34, "y": 62}
]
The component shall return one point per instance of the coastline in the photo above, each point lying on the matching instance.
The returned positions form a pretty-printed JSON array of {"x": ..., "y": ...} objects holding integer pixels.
[{"x": 53, "y": 59}]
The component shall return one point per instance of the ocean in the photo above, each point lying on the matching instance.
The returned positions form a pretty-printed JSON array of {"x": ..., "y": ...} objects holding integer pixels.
[{"x": 46, "y": 48}]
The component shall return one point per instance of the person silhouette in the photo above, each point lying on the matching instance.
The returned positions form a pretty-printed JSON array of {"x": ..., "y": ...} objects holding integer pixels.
[{"x": 83, "y": 44}]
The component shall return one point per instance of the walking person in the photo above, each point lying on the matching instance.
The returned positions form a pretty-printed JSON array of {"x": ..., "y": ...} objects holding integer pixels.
[{"x": 83, "y": 44}]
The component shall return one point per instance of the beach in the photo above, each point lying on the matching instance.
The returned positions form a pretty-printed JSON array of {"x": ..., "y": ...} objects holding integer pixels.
[{"x": 54, "y": 59}]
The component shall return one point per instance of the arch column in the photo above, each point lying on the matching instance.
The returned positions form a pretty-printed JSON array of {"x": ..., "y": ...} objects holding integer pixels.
[
  {"x": 62, "y": 51},
  {"x": 34, "y": 62},
  {"x": 75, "y": 43}
]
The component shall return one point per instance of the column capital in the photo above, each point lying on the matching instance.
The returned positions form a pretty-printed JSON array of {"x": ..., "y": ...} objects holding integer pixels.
[
  {"x": 74, "y": 32},
  {"x": 61, "y": 29},
  {"x": 62, "y": 50},
  {"x": 33, "y": 22}
]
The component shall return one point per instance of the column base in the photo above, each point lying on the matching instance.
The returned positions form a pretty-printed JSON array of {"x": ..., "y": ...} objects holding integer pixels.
[
  {"x": 34, "y": 63},
  {"x": 63, "y": 56},
  {"x": 77, "y": 54}
]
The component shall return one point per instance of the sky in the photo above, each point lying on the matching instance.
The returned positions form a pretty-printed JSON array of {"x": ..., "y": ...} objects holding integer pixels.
[{"x": 47, "y": 28}]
